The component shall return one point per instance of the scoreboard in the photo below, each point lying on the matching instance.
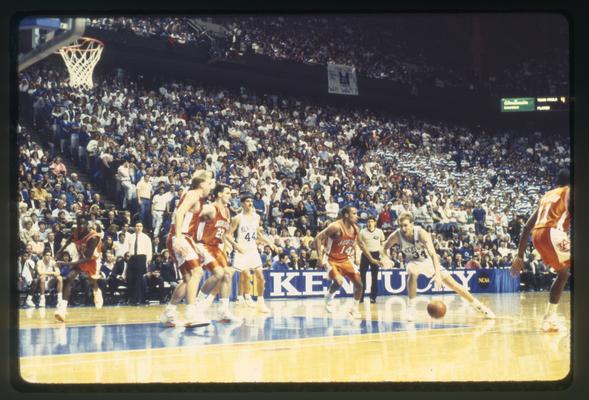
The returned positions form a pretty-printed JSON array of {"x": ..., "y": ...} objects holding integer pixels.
[{"x": 517, "y": 104}]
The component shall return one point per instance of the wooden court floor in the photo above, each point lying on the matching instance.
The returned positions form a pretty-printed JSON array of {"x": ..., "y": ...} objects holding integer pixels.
[{"x": 299, "y": 342}]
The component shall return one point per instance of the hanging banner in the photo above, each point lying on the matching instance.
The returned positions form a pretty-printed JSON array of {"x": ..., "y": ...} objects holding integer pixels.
[{"x": 341, "y": 79}]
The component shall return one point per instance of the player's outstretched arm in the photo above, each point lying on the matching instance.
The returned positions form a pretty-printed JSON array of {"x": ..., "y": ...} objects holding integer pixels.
[{"x": 230, "y": 235}]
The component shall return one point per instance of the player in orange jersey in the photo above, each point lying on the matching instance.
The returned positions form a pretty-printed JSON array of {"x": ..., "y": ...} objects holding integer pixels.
[
  {"x": 341, "y": 238},
  {"x": 185, "y": 255},
  {"x": 89, "y": 248},
  {"x": 550, "y": 225},
  {"x": 211, "y": 236}
]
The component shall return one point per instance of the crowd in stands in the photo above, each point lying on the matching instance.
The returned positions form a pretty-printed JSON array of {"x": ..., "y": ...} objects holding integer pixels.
[
  {"x": 174, "y": 29},
  {"x": 375, "y": 46},
  {"x": 302, "y": 162}
]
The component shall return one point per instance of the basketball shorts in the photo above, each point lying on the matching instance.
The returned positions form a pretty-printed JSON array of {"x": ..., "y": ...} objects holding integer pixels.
[
  {"x": 183, "y": 252},
  {"x": 213, "y": 256},
  {"x": 341, "y": 267},
  {"x": 90, "y": 268},
  {"x": 554, "y": 247},
  {"x": 248, "y": 260},
  {"x": 425, "y": 267}
]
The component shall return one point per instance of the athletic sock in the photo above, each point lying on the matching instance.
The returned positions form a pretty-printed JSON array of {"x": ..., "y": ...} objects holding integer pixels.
[
  {"x": 551, "y": 309},
  {"x": 224, "y": 305},
  {"x": 171, "y": 307},
  {"x": 201, "y": 297}
]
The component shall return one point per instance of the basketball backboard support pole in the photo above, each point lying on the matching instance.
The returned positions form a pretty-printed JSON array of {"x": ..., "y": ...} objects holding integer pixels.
[{"x": 77, "y": 26}]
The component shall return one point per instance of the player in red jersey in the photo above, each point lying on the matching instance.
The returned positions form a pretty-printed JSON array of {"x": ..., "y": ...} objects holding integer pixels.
[
  {"x": 211, "y": 236},
  {"x": 341, "y": 238},
  {"x": 89, "y": 248},
  {"x": 550, "y": 225},
  {"x": 182, "y": 248}
]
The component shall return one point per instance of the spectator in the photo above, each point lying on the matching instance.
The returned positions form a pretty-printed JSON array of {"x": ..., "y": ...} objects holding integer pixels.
[{"x": 140, "y": 249}]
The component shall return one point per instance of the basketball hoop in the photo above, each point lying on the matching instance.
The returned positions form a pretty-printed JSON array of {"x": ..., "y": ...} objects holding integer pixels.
[{"x": 80, "y": 59}]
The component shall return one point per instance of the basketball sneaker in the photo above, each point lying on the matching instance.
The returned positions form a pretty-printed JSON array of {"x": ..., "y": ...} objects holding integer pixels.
[
  {"x": 29, "y": 303},
  {"x": 355, "y": 313},
  {"x": 240, "y": 300},
  {"x": 263, "y": 308},
  {"x": 227, "y": 317},
  {"x": 60, "y": 312},
  {"x": 98, "y": 301},
  {"x": 329, "y": 305},
  {"x": 551, "y": 324},
  {"x": 410, "y": 314},
  {"x": 42, "y": 302},
  {"x": 195, "y": 318},
  {"x": 483, "y": 310},
  {"x": 249, "y": 301},
  {"x": 169, "y": 319}
]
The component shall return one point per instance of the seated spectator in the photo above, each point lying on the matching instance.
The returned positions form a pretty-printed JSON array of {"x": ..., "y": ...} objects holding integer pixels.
[
  {"x": 281, "y": 264},
  {"x": 473, "y": 263}
]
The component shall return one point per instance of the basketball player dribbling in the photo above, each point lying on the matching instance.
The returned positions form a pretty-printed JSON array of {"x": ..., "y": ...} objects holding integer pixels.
[
  {"x": 549, "y": 226},
  {"x": 419, "y": 252}
]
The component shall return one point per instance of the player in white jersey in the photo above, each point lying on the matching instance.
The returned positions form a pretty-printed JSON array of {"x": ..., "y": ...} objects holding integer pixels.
[
  {"x": 247, "y": 226},
  {"x": 419, "y": 252}
]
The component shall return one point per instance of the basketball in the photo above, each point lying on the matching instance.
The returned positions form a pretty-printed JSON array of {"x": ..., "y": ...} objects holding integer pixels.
[{"x": 436, "y": 309}]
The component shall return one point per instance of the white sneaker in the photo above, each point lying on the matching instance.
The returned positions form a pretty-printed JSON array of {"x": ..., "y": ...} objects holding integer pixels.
[
  {"x": 329, "y": 305},
  {"x": 249, "y": 302},
  {"x": 263, "y": 308},
  {"x": 42, "y": 302},
  {"x": 355, "y": 313},
  {"x": 240, "y": 300},
  {"x": 483, "y": 310},
  {"x": 98, "y": 301},
  {"x": 227, "y": 316},
  {"x": 195, "y": 318},
  {"x": 29, "y": 303},
  {"x": 169, "y": 319},
  {"x": 410, "y": 314},
  {"x": 550, "y": 324},
  {"x": 60, "y": 313}
]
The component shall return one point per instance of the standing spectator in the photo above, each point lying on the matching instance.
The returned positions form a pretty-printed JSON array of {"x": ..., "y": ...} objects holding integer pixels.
[
  {"x": 144, "y": 190},
  {"x": 140, "y": 249},
  {"x": 160, "y": 204},
  {"x": 124, "y": 176}
]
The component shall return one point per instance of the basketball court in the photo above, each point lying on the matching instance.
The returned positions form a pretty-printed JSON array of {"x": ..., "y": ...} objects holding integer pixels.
[{"x": 299, "y": 342}]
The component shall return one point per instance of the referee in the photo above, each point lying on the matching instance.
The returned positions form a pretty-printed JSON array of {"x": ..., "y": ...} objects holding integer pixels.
[{"x": 373, "y": 237}]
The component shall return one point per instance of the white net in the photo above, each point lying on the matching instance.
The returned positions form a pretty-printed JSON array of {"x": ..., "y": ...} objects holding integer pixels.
[{"x": 80, "y": 59}]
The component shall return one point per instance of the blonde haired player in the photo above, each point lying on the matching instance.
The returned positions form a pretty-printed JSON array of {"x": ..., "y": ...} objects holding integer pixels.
[
  {"x": 183, "y": 249},
  {"x": 419, "y": 252},
  {"x": 247, "y": 226},
  {"x": 549, "y": 226},
  {"x": 341, "y": 238}
]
